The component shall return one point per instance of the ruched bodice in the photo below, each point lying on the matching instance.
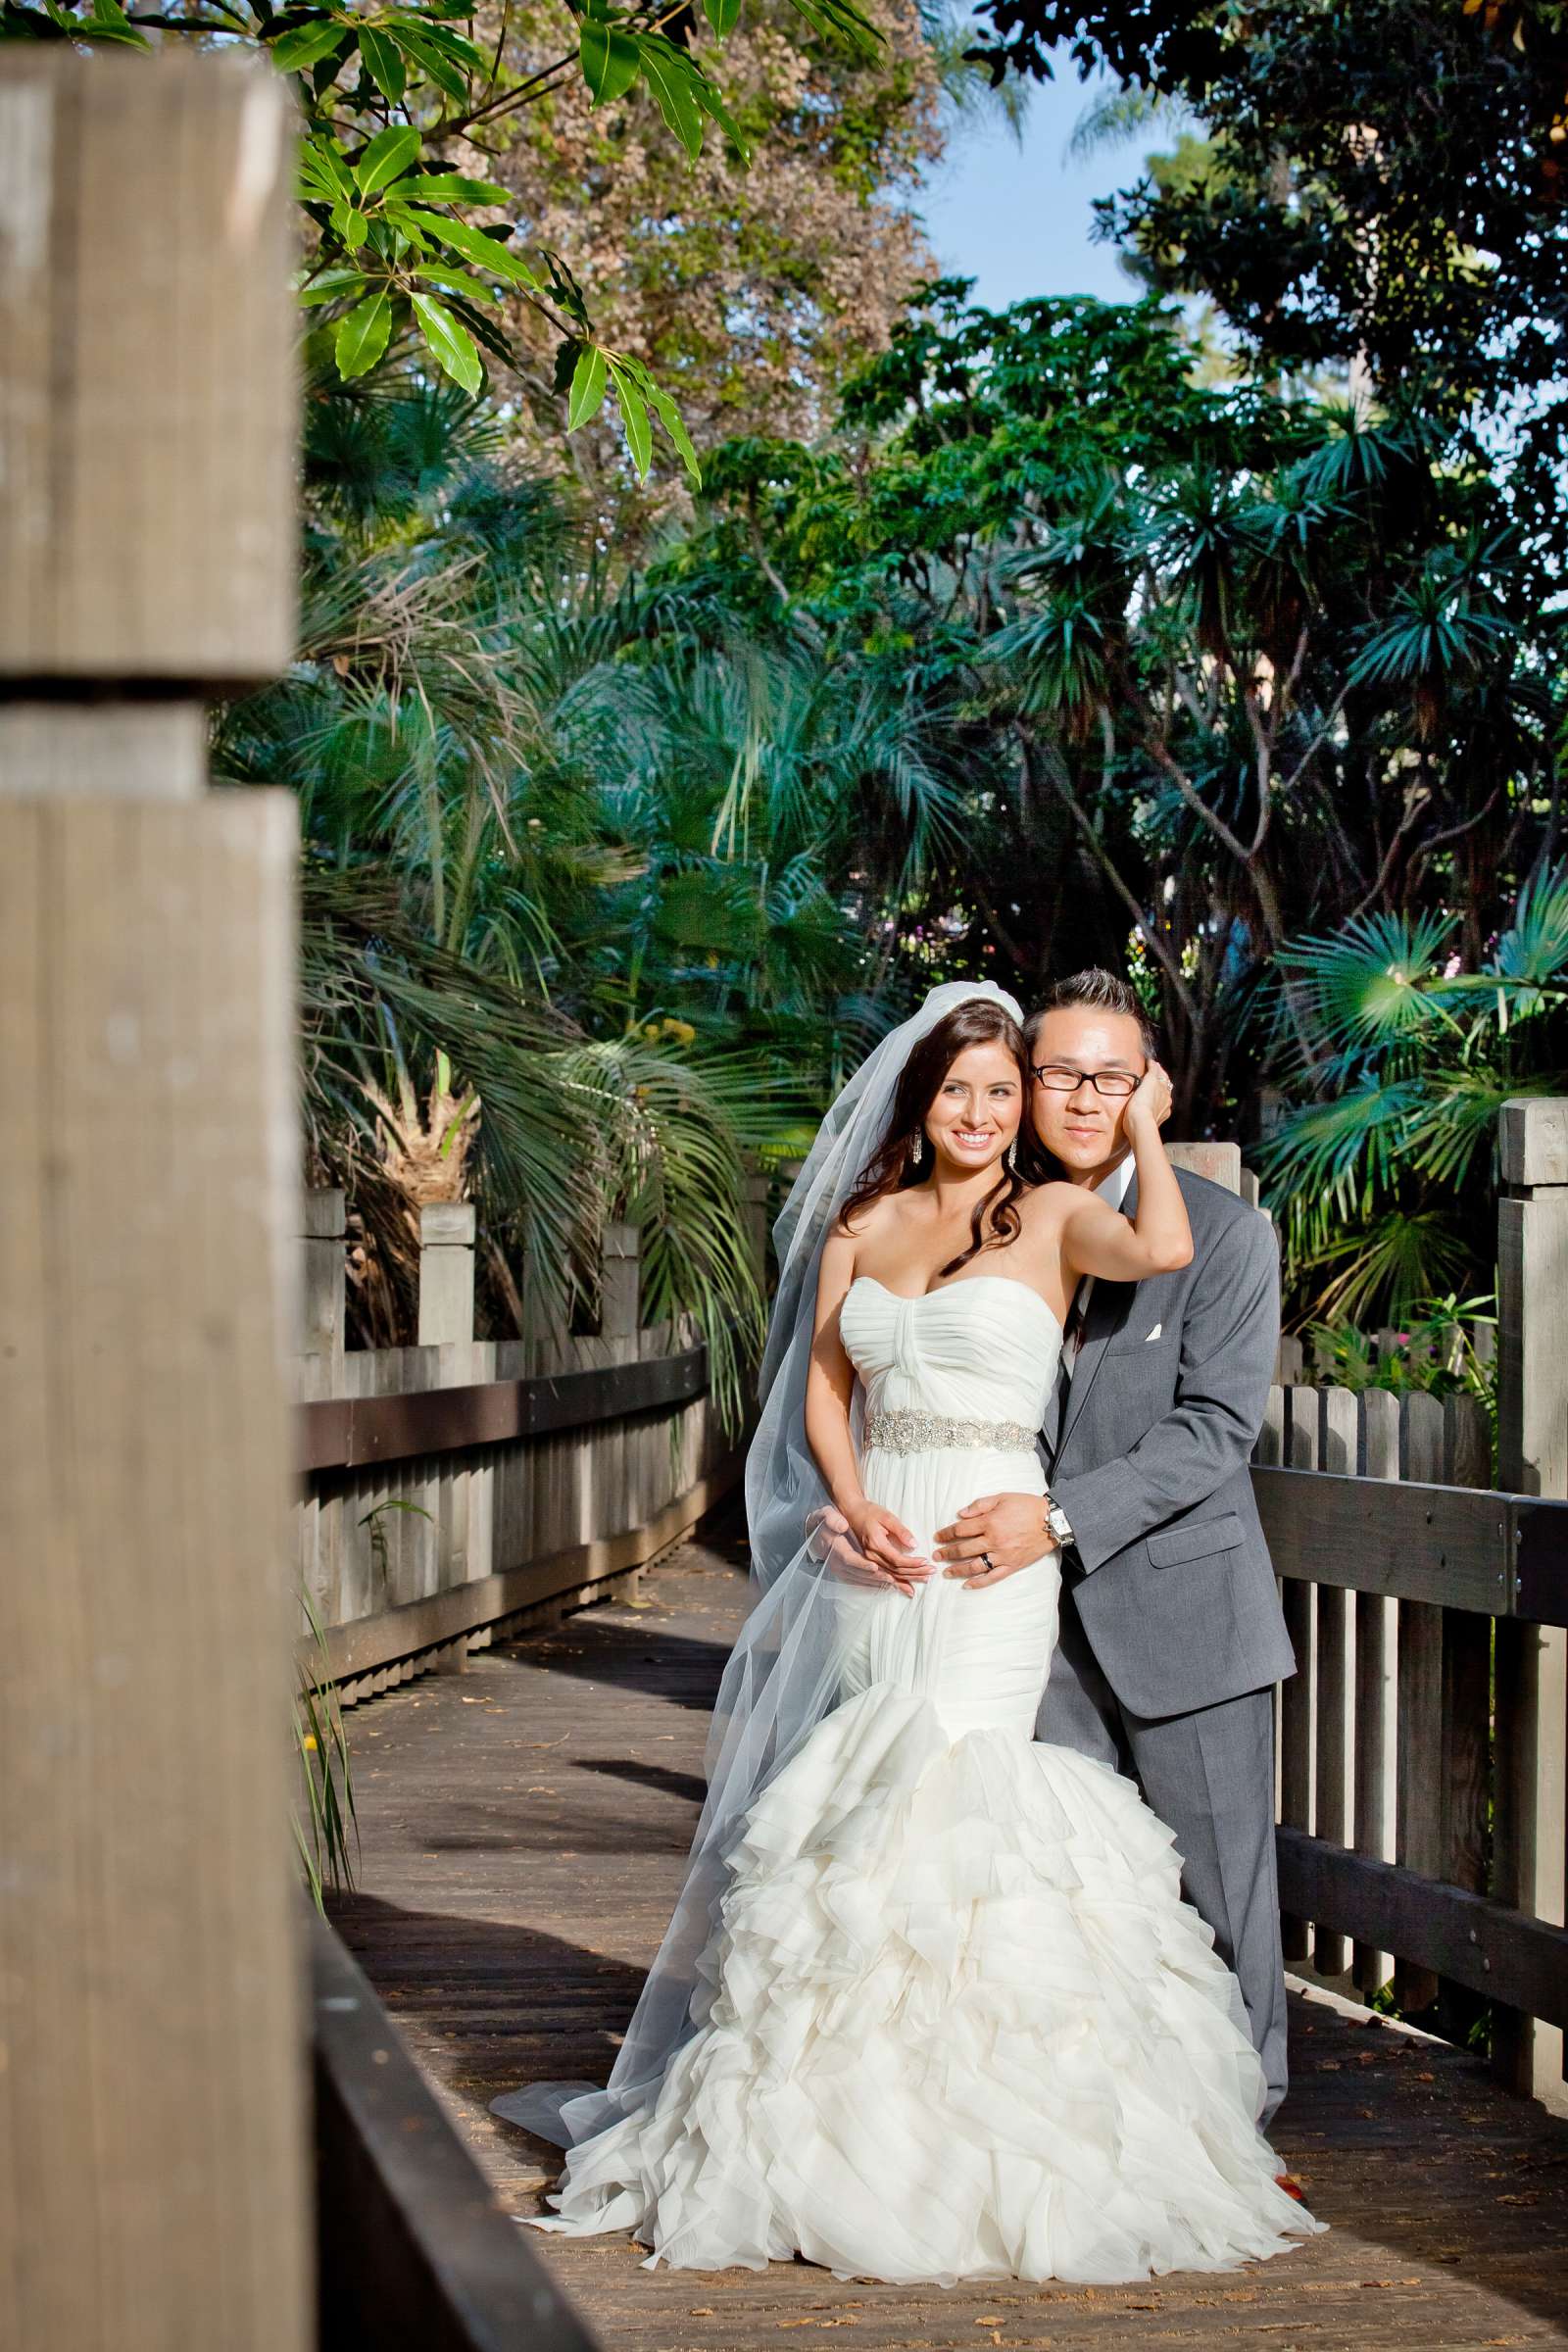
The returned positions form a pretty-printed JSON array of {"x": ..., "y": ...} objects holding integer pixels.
[
  {"x": 980, "y": 1356},
  {"x": 985, "y": 1347}
]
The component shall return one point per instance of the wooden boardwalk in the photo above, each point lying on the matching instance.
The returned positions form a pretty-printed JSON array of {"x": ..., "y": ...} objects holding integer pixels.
[{"x": 523, "y": 1828}]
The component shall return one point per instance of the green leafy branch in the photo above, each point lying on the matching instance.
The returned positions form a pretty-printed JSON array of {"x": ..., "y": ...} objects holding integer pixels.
[{"x": 382, "y": 91}]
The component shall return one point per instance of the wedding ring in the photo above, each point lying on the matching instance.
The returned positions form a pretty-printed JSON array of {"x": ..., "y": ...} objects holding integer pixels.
[{"x": 989, "y": 1561}]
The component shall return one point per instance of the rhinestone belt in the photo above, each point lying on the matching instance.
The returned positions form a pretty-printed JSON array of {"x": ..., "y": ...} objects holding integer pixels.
[{"x": 918, "y": 1433}]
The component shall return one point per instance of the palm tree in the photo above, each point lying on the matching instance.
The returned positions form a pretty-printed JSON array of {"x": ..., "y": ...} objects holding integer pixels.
[
  {"x": 459, "y": 882},
  {"x": 776, "y": 807},
  {"x": 1383, "y": 1182}
]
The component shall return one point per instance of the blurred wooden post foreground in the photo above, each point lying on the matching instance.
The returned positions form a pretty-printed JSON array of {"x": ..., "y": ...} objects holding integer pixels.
[
  {"x": 1532, "y": 1661},
  {"x": 153, "y": 2188}
]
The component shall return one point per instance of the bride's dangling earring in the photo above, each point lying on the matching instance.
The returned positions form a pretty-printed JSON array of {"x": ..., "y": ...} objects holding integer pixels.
[
  {"x": 1010, "y": 1157},
  {"x": 917, "y": 1148}
]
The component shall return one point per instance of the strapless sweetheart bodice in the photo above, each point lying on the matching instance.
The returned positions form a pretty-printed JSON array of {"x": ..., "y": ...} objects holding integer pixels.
[{"x": 985, "y": 1347}]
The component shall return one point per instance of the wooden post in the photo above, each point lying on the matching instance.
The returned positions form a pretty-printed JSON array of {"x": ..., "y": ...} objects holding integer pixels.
[
  {"x": 1376, "y": 1716},
  {"x": 152, "y": 2102},
  {"x": 1299, "y": 1697},
  {"x": 618, "y": 1302},
  {"x": 323, "y": 1293},
  {"x": 1337, "y": 1452},
  {"x": 1532, "y": 1661},
  {"x": 1466, "y": 1708},
  {"x": 1421, "y": 1832},
  {"x": 1221, "y": 1163},
  {"x": 446, "y": 1234},
  {"x": 754, "y": 1200}
]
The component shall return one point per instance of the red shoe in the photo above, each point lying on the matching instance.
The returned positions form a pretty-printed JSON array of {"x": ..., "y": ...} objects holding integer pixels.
[{"x": 1291, "y": 2186}]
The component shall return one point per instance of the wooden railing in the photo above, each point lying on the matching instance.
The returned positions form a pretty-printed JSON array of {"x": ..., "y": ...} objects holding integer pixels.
[
  {"x": 1421, "y": 1755},
  {"x": 459, "y": 1490},
  {"x": 412, "y": 2246}
]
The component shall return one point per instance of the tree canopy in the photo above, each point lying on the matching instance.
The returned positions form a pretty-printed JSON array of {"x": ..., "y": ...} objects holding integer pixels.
[{"x": 1378, "y": 187}]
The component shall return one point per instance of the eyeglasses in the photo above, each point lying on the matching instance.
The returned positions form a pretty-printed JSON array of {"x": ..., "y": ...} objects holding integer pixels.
[{"x": 1116, "y": 1085}]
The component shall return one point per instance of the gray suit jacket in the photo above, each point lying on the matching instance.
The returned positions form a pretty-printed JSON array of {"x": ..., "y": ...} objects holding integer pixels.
[{"x": 1149, "y": 1459}]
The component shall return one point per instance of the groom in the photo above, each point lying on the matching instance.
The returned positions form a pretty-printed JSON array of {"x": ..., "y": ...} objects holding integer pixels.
[{"x": 1171, "y": 1633}]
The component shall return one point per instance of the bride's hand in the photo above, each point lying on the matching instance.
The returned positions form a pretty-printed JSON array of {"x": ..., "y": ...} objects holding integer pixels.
[
  {"x": 888, "y": 1548},
  {"x": 1152, "y": 1101}
]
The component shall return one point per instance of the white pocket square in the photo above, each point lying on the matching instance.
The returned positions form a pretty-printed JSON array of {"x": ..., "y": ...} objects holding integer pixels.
[{"x": 1155, "y": 1334}]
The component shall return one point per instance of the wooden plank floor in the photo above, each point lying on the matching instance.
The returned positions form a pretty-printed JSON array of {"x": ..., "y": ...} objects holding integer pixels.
[{"x": 523, "y": 1829}]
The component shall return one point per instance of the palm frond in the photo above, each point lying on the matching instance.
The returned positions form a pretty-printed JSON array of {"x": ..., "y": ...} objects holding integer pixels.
[
  {"x": 1370, "y": 984},
  {"x": 1387, "y": 1266}
]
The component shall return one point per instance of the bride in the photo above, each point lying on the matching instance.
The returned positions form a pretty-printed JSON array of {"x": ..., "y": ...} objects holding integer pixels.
[{"x": 931, "y": 2006}]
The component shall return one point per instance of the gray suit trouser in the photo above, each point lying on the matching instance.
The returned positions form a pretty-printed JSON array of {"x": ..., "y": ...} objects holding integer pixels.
[{"x": 1210, "y": 1775}]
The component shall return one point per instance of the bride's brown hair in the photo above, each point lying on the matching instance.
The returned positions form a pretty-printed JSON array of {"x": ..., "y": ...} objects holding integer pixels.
[{"x": 891, "y": 1167}]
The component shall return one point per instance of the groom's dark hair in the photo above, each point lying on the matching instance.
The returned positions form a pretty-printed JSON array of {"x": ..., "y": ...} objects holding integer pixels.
[{"x": 1094, "y": 991}]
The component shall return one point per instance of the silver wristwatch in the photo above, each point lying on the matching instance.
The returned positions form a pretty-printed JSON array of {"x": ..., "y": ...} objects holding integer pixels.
[{"x": 1059, "y": 1525}]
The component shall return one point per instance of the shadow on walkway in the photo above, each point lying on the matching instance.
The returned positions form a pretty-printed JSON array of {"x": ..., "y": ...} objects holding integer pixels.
[{"x": 689, "y": 1786}]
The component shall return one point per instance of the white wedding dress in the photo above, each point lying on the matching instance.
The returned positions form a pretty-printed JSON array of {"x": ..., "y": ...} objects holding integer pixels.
[{"x": 960, "y": 2024}]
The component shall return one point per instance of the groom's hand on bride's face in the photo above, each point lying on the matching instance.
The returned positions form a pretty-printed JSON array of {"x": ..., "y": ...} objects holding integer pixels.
[
  {"x": 993, "y": 1537},
  {"x": 882, "y": 1554}
]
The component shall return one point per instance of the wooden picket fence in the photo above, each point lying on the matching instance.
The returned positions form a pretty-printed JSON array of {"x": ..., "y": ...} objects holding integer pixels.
[
  {"x": 459, "y": 1490},
  {"x": 1423, "y": 1740},
  {"x": 1385, "y": 1687}
]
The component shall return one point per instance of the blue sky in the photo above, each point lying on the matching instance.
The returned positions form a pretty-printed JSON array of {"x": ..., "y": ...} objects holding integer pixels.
[{"x": 1016, "y": 217}]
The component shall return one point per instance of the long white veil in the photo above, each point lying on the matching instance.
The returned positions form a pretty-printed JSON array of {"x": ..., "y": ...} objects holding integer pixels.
[{"x": 781, "y": 1677}]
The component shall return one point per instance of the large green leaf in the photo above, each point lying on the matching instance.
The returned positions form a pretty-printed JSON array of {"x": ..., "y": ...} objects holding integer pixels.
[
  {"x": 384, "y": 62},
  {"x": 486, "y": 253},
  {"x": 455, "y": 348},
  {"x": 452, "y": 279},
  {"x": 587, "y": 387},
  {"x": 449, "y": 74},
  {"x": 361, "y": 336},
  {"x": 387, "y": 158},
  {"x": 455, "y": 47},
  {"x": 330, "y": 285},
  {"x": 841, "y": 21},
  {"x": 305, "y": 45},
  {"x": 110, "y": 24},
  {"x": 669, "y": 417},
  {"x": 325, "y": 174},
  {"x": 666, "y": 71},
  {"x": 351, "y": 225},
  {"x": 634, "y": 417},
  {"x": 451, "y": 187},
  {"x": 484, "y": 330},
  {"x": 610, "y": 59}
]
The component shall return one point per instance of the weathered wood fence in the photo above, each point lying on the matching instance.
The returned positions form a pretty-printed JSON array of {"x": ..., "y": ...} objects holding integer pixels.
[
  {"x": 459, "y": 1490},
  {"x": 1422, "y": 1741}
]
